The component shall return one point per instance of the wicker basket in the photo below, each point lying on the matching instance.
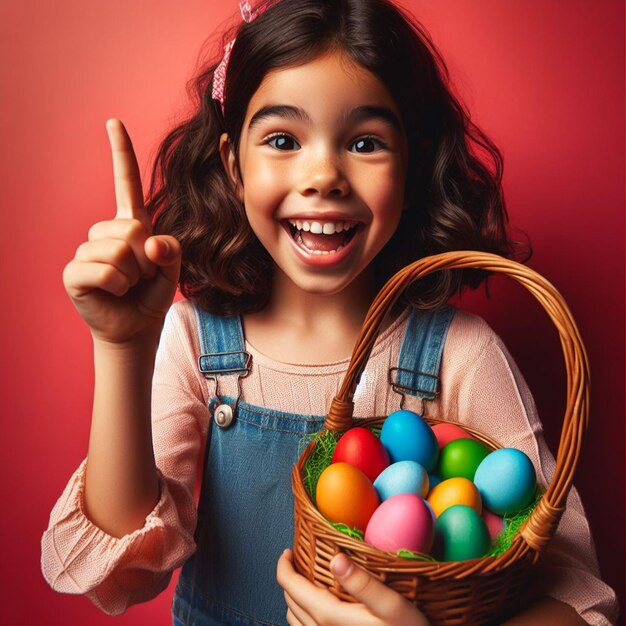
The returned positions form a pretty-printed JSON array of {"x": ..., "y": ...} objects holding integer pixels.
[{"x": 476, "y": 591}]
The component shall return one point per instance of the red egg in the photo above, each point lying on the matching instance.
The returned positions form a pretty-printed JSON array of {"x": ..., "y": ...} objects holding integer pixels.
[
  {"x": 494, "y": 523},
  {"x": 362, "y": 449},
  {"x": 445, "y": 433}
]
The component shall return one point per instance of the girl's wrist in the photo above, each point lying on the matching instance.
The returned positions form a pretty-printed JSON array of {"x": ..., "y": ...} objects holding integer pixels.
[{"x": 140, "y": 346}]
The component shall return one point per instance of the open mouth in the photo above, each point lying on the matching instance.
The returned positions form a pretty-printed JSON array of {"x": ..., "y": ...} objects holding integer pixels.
[{"x": 321, "y": 238}]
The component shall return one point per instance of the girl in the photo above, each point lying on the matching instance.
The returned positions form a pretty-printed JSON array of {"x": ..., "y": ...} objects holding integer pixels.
[{"x": 326, "y": 153}]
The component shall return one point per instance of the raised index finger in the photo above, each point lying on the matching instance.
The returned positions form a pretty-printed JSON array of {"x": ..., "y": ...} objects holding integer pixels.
[{"x": 128, "y": 191}]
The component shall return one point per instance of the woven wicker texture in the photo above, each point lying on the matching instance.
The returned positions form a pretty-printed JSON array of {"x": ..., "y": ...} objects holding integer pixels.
[{"x": 476, "y": 591}]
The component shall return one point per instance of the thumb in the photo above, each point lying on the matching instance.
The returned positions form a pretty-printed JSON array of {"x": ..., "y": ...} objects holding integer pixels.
[
  {"x": 382, "y": 601},
  {"x": 165, "y": 252}
]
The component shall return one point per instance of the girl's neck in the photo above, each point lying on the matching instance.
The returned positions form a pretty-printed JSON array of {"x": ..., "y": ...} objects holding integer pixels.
[{"x": 306, "y": 328}]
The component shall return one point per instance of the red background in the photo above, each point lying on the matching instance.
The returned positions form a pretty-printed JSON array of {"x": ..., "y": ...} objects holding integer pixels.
[{"x": 545, "y": 78}]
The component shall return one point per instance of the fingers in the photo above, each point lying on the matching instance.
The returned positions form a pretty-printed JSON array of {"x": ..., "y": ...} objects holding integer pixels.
[
  {"x": 292, "y": 617},
  {"x": 128, "y": 190},
  {"x": 309, "y": 604},
  {"x": 131, "y": 231},
  {"x": 382, "y": 601},
  {"x": 287, "y": 578},
  {"x": 81, "y": 278},
  {"x": 111, "y": 265},
  {"x": 115, "y": 252}
]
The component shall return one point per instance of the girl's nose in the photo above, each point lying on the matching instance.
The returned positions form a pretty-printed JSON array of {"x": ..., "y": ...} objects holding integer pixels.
[{"x": 326, "y": 178}]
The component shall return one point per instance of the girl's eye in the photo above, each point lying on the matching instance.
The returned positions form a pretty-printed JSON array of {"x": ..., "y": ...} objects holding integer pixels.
[
  {"x": 363, "y": 145},
  {"x": 282, "y": 142}
]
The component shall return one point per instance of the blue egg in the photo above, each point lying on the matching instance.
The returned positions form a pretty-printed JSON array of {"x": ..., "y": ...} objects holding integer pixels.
[
  {"x": 407, "y": 437},
  {"x": 506, "y": 481},
  {"x": 402, "y": 477}
]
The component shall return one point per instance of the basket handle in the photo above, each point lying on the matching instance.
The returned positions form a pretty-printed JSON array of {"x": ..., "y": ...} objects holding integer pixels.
[{"x": 541, "y": 524}]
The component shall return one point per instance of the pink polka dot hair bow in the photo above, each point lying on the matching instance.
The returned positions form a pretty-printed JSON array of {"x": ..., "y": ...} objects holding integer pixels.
[{"x": 248, "y": 14}]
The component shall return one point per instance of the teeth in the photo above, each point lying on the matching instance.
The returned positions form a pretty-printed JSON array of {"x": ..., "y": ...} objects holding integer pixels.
[{"x": 318, "y": 228}]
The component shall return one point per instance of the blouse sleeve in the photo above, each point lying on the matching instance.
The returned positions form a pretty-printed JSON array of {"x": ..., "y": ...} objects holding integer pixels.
[
  {"x": 115, "y": 573},
  {"x": 490, "y": 394}
]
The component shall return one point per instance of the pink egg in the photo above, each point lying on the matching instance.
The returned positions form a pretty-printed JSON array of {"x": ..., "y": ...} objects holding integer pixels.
[
  {"x": 445, "y": 433},
  {"x": 495, "y": 523},
  {"x": 401, "y": 522}
]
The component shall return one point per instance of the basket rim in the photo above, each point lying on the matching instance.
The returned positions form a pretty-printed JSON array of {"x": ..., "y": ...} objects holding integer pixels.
[{"x": 394, "y": 561}]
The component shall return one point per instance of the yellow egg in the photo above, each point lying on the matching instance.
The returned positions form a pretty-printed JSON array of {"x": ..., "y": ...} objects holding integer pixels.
[
  {"x": 454, "y": 491},
  {"x": 345, "y": 494}
]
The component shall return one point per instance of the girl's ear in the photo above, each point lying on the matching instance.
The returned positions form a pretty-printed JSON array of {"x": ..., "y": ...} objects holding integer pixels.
[{"x": 227, "y": 154}]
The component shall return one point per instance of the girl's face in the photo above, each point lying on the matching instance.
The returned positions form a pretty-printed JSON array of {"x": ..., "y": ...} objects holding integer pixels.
[{"x": 323, "y": 161}]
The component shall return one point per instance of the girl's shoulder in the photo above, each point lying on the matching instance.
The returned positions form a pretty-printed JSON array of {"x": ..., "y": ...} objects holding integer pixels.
[
  {"x": 181, "y": 318},
  {"x": 179, "y": 334},
  {"x": 470, "y": 336}
]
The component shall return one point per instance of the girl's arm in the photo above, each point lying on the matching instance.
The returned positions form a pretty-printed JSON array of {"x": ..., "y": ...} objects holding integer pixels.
[
  {"x": 547, "y": 611},
  {"x": 79, "y": 557},
  {"x": 122, "y": 282},
  {"x": 121, "y": 484}
]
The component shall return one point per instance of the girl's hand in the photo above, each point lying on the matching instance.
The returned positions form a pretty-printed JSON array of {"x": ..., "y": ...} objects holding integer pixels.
[
  {"x": 310, "y": 605},
  {"x": 123, "y": 279}
]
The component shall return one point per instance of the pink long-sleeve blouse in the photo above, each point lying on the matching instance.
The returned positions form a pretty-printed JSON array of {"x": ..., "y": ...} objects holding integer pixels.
[{"x": 480, "y": 386}]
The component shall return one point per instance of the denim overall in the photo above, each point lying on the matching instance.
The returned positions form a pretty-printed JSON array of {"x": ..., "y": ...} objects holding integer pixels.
[{"x": 245, "y": 509}]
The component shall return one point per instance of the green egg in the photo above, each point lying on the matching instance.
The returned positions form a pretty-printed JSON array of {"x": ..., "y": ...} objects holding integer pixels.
[
  {"x": 461, "y": 458},
  {"x": 460, "y": 534}
]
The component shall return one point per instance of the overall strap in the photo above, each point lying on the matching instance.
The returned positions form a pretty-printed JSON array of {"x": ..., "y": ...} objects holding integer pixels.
[
  {"x": 420, "y": 355},
  {"x": 222, "y": 345},
  {"x": 223, "y": 354}
]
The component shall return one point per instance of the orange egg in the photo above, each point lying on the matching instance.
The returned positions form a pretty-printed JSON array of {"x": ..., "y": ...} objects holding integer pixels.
[
  {"x": 454, "y": 491},
  {"x": 345, "y": 494}
]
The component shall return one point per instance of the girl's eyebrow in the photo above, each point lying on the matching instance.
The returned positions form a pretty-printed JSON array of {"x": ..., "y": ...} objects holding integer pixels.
[
  {"x": 364, "y": 113},
  {"x": 359, "y": 114},
  {"x": 280, "y": 110}
]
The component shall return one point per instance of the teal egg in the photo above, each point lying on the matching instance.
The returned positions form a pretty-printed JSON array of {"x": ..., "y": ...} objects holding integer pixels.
[
  {"x": 460, "y": 534},
  {"x": 506, "y": 481},
  {"x": 461, "y": 458}
]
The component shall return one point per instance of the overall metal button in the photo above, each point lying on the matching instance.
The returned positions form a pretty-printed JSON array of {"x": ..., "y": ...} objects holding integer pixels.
[{"x": 223, "y": 415}]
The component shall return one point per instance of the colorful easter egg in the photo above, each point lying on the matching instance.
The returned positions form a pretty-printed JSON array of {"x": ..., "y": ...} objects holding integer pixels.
[
  {"x": 506, "y": 480},
  {"x": 445, "y": 433},
  {"x": 407, "y": 437},
  {"x": 494, "y": 523},
  {"x": 345, "y": 494},
  {"x": 461, "y": 457},
  {"x": 454, "y": 491},
  {"x": 401, "y": 522},
  {"x": 402, "y": 477},
  {"x": 362, "y": 448},
  {"x": 460, "y": 534}
]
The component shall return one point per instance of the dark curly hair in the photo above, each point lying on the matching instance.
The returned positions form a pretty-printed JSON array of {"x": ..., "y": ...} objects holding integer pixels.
[{"x": 453, "y": 189}]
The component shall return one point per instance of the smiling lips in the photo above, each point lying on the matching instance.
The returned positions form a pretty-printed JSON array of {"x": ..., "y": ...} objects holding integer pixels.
[{"x": 321, "y": 238}]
